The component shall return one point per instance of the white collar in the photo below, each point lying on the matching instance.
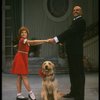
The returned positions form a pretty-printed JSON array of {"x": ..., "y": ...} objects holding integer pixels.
[{"x": 77, "y": 17}]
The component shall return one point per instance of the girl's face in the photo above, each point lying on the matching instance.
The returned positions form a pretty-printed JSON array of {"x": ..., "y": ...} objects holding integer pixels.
[{"x": 24, "y": 34}]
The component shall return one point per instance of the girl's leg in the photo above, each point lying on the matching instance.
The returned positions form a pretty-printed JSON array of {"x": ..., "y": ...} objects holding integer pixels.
[
  {"x": 27, "y": 86},
  {"x": 19, "y": 83},
  {"x": 19, "y": 87},
  {"x": 26, "y": 82}
]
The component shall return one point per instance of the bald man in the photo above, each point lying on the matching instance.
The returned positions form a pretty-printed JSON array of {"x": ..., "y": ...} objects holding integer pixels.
[{"x": 73, "y": 39}]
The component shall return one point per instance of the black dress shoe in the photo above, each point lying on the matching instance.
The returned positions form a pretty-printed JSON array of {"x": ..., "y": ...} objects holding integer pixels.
[
  {"x": 31, "y": 98},
  {"x": 68, "y": 95}
]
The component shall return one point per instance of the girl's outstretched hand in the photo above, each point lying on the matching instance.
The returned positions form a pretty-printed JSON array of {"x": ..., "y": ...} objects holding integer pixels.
[{"x": 47, "y": 41}]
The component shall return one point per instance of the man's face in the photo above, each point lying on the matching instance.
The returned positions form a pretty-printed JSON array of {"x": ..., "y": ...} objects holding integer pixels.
[{"x": 77, "y": 11}]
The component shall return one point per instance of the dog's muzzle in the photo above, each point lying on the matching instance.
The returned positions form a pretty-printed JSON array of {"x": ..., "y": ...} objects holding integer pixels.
[{"x": 46, "y": 68}]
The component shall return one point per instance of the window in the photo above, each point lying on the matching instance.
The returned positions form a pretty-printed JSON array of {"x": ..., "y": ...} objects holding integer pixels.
[{"x": 57, "y": 10}]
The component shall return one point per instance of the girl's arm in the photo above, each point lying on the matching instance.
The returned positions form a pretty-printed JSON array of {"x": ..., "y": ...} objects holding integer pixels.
[{"x": 36, "y": 42}]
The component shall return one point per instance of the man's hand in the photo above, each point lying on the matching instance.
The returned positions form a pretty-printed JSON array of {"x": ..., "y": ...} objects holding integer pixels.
[{"x": 51, "y": 40}]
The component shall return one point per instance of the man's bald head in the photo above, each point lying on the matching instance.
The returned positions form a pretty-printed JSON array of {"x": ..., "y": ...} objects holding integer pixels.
[{"x": 77, "y": 10}]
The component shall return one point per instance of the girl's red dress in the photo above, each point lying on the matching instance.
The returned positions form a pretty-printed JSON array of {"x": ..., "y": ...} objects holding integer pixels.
[{"x": 20, "y": 62}]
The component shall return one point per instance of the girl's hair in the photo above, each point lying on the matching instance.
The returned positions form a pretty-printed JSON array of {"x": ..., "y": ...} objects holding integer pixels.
[
  {"x": 23, "y": 28},
  {"x": 15, "y": 41}
]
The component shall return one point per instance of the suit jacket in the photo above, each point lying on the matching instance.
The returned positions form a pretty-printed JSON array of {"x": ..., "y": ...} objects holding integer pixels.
[{"x": 73, "y": 37}]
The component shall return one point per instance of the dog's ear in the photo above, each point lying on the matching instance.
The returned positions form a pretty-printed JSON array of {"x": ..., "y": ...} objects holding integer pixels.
[
  {"x": 53, "y": 65},
  {"x": 42, "y": 64}
]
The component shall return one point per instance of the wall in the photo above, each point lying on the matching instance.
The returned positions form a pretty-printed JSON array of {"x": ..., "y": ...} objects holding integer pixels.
[
  {"x": 34, "y": 16},
  {"x": 41, "y": 26}
]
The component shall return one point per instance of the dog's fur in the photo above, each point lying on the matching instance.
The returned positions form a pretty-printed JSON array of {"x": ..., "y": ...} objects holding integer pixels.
[{"x": 49, "y": 83}]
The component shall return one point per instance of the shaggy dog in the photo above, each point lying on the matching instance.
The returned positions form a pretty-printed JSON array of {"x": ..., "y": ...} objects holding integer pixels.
[{"x": 49, "y": 83}]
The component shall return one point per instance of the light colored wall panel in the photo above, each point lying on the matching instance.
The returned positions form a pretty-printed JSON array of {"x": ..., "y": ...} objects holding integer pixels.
[
  {"x": 42, "y": 27},
  {"x": 91, "y": 51}
]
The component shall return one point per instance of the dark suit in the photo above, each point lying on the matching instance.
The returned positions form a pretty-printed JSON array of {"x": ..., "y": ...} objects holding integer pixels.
[{"x": 73, "y": 39}]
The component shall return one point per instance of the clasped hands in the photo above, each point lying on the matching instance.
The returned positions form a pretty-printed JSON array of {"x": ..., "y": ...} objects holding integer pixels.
[{"x": 51, "y": 40}]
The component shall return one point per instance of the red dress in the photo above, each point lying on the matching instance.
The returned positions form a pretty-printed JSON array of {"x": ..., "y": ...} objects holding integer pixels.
[{"x": 20, "y": 62}]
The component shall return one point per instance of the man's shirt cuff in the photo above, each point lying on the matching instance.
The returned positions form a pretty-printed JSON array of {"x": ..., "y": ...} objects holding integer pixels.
[{"x": 56, "y": 39}]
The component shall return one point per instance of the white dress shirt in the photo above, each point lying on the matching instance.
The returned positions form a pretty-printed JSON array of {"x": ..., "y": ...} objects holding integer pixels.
[{"x": 77, "y": 17}]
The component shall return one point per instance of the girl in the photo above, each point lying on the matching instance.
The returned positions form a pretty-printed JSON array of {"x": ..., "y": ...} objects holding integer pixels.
[{"x": 20, "y": 62}]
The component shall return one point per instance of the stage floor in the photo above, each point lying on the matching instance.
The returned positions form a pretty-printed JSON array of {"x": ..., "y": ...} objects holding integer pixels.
[{"x": 9, "y": 86}]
